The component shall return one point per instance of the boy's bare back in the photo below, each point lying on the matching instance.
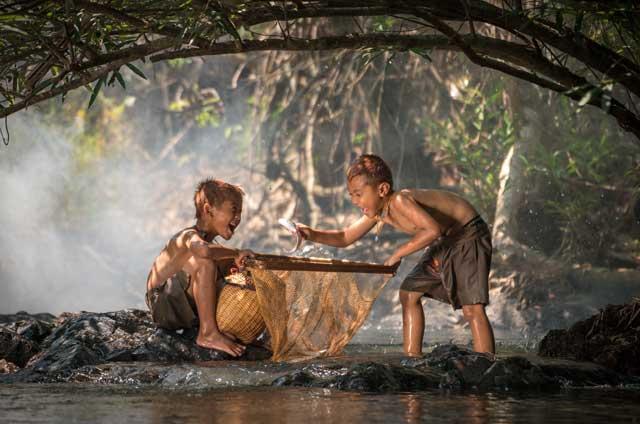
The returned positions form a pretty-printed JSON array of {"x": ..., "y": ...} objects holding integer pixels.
[{"x": 449, "y": 210}]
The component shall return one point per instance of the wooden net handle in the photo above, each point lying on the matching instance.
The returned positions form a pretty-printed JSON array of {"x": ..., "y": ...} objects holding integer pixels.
[{"x": 295, "y": 263}]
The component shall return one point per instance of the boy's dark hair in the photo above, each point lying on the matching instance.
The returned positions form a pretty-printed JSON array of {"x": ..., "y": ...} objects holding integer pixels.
[
  {"x": 373, "y": 168},
  {"x": 214, "y": 192}
]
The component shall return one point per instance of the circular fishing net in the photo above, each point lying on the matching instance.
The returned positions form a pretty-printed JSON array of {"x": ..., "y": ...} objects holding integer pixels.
[{"x": 311, "y": 314}]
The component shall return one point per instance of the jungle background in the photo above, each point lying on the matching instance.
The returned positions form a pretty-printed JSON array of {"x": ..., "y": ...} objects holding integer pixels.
[{"x": 94, "y": 183}]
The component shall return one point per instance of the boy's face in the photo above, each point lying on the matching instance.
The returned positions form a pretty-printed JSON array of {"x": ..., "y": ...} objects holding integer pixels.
[
  {"x": 224, "y": 219},
  {"x": 369, "y": 198}
]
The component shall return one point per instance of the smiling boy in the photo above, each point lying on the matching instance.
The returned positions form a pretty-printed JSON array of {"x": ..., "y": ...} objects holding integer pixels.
[
  {"x": 185, "y": 277},
  {"x": 455, "y": 265}
]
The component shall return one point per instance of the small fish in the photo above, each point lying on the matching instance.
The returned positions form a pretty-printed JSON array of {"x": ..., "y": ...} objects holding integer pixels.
[{"x": 291, "y": 227}]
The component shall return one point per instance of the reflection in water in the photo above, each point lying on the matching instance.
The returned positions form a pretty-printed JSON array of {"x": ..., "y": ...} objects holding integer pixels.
[{"x": 78, "y": 403}]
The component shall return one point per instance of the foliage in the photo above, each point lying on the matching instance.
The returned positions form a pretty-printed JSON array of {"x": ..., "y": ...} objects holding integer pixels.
[
  {"x": 51, "y": 47},
  {"x": 591, "y": 177},
  {"x": 473, "y": 142}
]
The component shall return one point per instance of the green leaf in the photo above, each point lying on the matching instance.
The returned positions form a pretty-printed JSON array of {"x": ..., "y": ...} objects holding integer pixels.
[
  {"x": 559, "y": 19},
  {"x": 120, "y": 80},
  {"x": 422, "y": 53},
  {"x": 136, "y": 71},
  {"x": 96, "y": 90},
  {"x": 112, "y": 79},
  {"x": 577, "y": 26}
]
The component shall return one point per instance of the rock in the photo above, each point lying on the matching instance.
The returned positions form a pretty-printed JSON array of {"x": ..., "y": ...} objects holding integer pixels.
[
  {"x": 610, "y": 338},
  {"x": 515, "y": 373},
  {"x": 95, "y": 338},
  {"x": 125, "y": 347},
  {"x": 21, "y": 335},
  {"x": 25, "y": 316},
  {"x": 297, "y": 378},
  {"x": 15, "y": 348}
]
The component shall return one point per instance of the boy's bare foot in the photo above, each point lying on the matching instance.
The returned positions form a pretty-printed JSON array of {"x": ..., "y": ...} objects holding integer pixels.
[{"x": 220, "y": 342}]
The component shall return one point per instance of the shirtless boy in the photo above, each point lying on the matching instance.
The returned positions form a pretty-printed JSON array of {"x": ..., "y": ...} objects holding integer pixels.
[
  {"x": 455, "y": 265},
  {"x": 186, "y": 275}
]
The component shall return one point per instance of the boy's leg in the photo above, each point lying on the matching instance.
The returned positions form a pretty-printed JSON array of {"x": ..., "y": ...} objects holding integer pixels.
[
  {"x": 412, "y": 322},
  {"x": 204, "y": 277},
  {"x": 481, "y": 330}
]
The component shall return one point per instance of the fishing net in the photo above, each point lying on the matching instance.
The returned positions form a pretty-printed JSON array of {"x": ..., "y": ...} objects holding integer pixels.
[{"x": 312, "y": 314}]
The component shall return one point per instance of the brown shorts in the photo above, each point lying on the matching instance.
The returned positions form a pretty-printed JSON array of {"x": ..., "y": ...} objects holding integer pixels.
[
  {"x": 463, "y": 274},
  {"x": 171, "y": 305}
]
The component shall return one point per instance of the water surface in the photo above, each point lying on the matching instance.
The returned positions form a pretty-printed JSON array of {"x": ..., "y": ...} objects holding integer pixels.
[{"x": 66, "y": 403}]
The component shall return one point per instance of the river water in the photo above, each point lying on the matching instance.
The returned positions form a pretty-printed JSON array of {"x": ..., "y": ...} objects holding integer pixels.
[{"x": 69, "y": 403}]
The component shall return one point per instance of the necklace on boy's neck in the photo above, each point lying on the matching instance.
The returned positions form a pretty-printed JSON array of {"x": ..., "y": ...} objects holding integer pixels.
[{"x": 202, "y": 233}]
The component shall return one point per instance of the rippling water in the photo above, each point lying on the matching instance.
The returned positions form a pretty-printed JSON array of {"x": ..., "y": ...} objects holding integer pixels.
[{"x": 79, "y": 403}]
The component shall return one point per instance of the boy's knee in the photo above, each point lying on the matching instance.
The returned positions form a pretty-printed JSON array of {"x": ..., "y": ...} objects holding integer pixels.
[
  {"x": 409, "y": 297},
  {"x": 471, "y": 312},
  {"x": 204, "y": 267}
]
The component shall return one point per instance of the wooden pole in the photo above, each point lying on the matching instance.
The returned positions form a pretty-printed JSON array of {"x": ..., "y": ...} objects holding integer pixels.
[{"x": 295, "y": 263}]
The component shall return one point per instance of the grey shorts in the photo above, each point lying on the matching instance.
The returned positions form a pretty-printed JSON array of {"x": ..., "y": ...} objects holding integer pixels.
[
  {"x": 463, "y": 274},
  {"x": 171, "y": 305}
]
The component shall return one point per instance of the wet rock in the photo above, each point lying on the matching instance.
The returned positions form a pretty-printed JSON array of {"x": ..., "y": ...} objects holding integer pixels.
[
  {"x": 362, "y": 377},
  {"x": 25, "y": 316},
  {"x": 374, "y": 377},
  {"x": 298, "y": 378},
  {"x": 368, "y": 377},
  {"x": 610, "y": 338},
  {"x": 15, "y": 348},
  {"x": 515, "y": 373},
  {"x": 95, "y": 338},
  {"x": 569, "y": 374},
  {"x": 21, "y": 335},
  {"x": 125, "y": 347}
]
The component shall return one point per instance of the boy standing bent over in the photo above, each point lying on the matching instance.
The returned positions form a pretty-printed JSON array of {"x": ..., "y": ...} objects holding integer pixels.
[
  {"x": 455, "y": 265},
  {"x": 186, "y": 275}
]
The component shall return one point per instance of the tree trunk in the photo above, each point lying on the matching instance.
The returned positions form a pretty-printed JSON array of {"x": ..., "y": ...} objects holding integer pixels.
[{"x": 512, "y": 174}]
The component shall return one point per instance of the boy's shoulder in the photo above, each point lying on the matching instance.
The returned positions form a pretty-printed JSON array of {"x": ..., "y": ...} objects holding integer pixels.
[
  {"x": 408, "y": 194},
  {"x": 184, "y": 234}
]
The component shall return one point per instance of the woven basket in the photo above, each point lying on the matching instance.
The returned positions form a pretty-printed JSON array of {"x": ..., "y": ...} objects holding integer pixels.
[{"x": 238, "y": 313}]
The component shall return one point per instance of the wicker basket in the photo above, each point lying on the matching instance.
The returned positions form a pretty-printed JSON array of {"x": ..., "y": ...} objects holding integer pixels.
[{"x": 238, "y": 313}]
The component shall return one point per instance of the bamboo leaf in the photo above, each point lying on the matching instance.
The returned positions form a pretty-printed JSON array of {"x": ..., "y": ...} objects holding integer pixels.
[
  {"x": 559, "y": 20},
  {"x": 577, "y": 26},
  {"x": 120, "y": 80},
  {"x": 136, "y": 71},
  {"x": 96, "y": 90},
  {"x": 422, "y": 53}
]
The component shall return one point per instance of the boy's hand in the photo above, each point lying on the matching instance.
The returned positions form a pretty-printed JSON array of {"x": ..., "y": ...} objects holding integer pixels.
[
  {"x": 392, "y": 261},
  {"x": 304, "y": 231},
  {"x": 242, "y": 255}
]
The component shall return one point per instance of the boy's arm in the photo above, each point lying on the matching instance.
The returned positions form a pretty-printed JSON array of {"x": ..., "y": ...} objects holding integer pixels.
[
  {"x": 338, "y": 238},
  {"x": 203, "y": 249},
  {"x": 428, "y": 230}
]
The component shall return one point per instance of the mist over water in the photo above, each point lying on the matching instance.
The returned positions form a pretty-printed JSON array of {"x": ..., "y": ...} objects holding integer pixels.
[{"x": 84, "y": 239}]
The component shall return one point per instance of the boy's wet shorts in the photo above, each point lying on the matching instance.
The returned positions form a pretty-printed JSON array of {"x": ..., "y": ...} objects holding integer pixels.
[
  {"x": 171, "y": 305},
  {"x": 463, "y": 276}
]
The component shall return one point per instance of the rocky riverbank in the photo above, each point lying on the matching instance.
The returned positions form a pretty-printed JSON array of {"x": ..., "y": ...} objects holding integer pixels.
[{"x": 124, "y": 347}]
